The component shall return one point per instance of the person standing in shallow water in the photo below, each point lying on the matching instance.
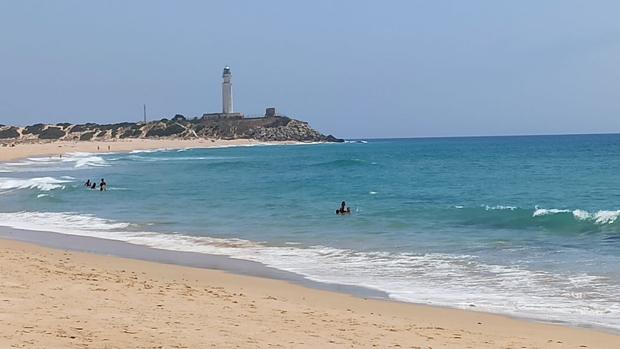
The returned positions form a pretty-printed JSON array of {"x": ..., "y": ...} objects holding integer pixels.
[{"x": 103, "y": 186}]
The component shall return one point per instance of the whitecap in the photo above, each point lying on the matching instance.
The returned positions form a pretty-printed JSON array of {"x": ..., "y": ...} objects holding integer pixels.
[
  {"x": 606, "y": 217},
  {"x": 499, "y": 207},
  {"x": 85, "y": 160},
  {"x": 581, "y": 215},
  {"x": 149, "y": 150},
  {"x": 545, "y": 212},
  {"x": 69, "y": 161},
  {"x": 40, "y": 183},
  {"x": 599, "y": 217}
]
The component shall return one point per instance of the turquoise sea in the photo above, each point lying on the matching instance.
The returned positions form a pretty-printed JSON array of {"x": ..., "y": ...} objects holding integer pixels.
[{"x": 526, "y": 226}]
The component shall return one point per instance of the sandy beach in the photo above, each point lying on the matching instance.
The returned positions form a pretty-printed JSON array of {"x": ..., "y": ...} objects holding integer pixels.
[
  {"x": 325, "y": 174},
  {"x": 61, "y": 299},
  {"x": 24, "y": 150}
]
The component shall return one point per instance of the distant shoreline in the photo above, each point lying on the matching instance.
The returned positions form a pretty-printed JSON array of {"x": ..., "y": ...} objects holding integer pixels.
[
  {"x": 196, "y": 130},
  {"x": 58, "y": 148}
]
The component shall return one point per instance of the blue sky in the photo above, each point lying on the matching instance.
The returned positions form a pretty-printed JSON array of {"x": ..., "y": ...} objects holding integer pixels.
[{"x": 350, "y": 68}]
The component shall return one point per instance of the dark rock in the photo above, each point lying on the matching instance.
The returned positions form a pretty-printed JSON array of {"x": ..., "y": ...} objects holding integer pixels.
[
  {"x": 34, "y": 129},
  {"x": 82, "y": 128},
  {"x": 333, "y": 139},
  {"x": 165, "y": 131},
  {"x": 52, "y": 133},
  {"x": 116, "y": 126},
  {"x": 87, "y": 136},
  {"x": 131, "y": 133},
  {"x": 10, "y": 132}
]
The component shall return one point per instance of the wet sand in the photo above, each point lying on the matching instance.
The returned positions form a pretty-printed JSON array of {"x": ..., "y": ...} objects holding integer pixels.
[{"x": 53, "y": 298}]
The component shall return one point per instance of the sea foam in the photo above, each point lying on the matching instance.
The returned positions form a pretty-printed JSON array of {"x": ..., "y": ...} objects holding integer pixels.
[
  {"x": 69, "y": 161},
  {"x": 461, "y": 281},
  {"x": 40, "y": 183},
  {"x": 598, "y": 217}
]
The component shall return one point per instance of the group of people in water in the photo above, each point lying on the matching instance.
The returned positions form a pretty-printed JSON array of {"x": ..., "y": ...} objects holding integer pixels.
[
  {"x": 343, "y": 210},
  {"x": 103, "y": 186}
]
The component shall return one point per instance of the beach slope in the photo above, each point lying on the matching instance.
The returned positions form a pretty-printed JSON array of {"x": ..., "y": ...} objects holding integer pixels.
[{"x": 60, "y": 299}]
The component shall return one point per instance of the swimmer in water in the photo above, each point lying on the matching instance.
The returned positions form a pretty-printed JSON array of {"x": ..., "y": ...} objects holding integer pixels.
[{"x": 343, "y": 209}]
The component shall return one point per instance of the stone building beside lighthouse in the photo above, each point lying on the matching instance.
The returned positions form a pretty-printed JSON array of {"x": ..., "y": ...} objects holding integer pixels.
[{"x": 227, "y": 99}]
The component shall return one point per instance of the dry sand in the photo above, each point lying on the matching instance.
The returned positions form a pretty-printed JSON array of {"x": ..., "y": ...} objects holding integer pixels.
[
  {"x": 59, "y": 299},
  {"x": 23, "y": 150}
]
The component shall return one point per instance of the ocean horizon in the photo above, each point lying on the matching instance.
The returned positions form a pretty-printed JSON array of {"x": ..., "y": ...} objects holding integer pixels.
[
  {"x": 523, "y": 225},
  {"x": 516, "y": 135}
]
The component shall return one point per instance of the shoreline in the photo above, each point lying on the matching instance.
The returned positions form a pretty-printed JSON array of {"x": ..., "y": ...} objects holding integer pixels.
[
  {"x": 236, "y": 266},
  {"x": 123, "y": 249},
  {"x": 322, "y": 317},
  {"x": 57, "y": 148},
  {"x": 218, "y": 263}
]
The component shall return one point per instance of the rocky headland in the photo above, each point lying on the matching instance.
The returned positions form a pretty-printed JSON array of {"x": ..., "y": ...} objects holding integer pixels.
[{"x": 267, "y": 129}]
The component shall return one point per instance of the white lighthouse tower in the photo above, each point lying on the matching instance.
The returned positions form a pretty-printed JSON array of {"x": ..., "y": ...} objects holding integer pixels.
[
  {"x": 227, "y": 97},
  {"x": 227, "y": 101}
]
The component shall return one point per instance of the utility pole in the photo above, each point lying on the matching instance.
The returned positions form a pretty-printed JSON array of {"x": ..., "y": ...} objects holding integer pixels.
[{"x": 145, "y": 113}]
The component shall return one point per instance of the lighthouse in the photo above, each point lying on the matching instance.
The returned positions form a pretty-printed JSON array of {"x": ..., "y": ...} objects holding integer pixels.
[
  {"x": 227, "y": 97},
  {"x": 227, "y": 101}
]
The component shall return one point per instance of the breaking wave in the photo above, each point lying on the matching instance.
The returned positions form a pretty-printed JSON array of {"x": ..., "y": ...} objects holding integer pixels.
[
  {"x": 562, "y": 220},
  {"x": 434, "y": 278},
  {"x": 85, "y": 160},
  {"x": 67, "y": 162},
  {"x": 40, "y": 183},
  {"x": 599, "y": 217}
]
